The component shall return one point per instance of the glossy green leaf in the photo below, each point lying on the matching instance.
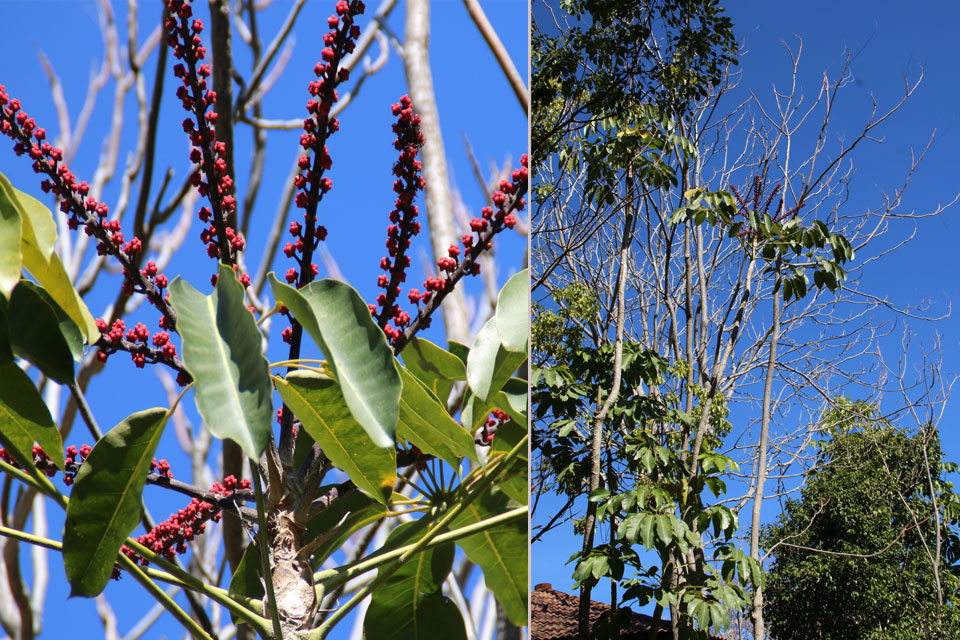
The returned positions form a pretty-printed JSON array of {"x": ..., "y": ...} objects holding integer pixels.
[
  {"x": 501, "y": 552},
  {"x": 35, "y": 333},
  {"x": 513, "y": 312},
  {"x": 474, "y": 411},
  {"x": 68, "y": 328},
  {"x": 338, "y": 319},
  {"x": 513, "y": 399},
  {"x": 347, "y": 515},
  {"x": 246, "y": 580},
  {"x": 489, "y": 365},
  {"x": 646, "y": 529},
  {"x": 38, "y": 236},
  {"x": 221, "y": 349},
  {"x": 10, "y": 258},
  {"x": 104, "y": 507},
  {"x": 435, "y": 367},
  {"x": 410, "y": 605},
  {"x": 25, "y": 419},
  {"x": 426, "y": 423},
  {"x": 318, "y": 402},
  {"x": 514, "y": 482}
]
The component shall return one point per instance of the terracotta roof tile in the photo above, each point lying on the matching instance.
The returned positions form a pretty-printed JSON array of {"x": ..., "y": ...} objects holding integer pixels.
[{"x": 553, "y": 616}]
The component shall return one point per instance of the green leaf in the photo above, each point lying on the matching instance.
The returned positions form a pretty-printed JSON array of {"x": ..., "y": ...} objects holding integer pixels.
[
  {"x": 246, "y": 578},
  {"x": 501, "y": 552},
  {"x": 513, "y": 399},
  {"x": 513, "y": 312},
  {"x": 25, "y": 419},
  {"x": 409, "y": 605},
  {"x": 436, "y": 368},
  {"x": 514, "y": 482},
  {"x": 426, "y": 423},
  {"x": 347, "y": 515},
  {"x": 104, "y": 507},
  {"x": 221, "y": 349},
  {"x": 10, "y": 258},
  {"x": 338, "y": 319},
  {"x": 38, "y": 235},
  {"x": 68, "y": 328},
  {"x": 489, "y": 364},
  {"x": 646, "y": 529},
  {"x": 318, "y": 402},
  {"x": 35, "y": 333},
  {"x": 663, "y": 528}
]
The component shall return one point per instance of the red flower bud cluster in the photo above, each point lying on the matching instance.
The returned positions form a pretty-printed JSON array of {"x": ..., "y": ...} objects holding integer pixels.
[
  {"x": 489, "y": 429},
  {"x": 74, "y": 458},
  {"x": 311, "y": 184},
  {"x": 211, "y": 177},
  {"x": 136, "y": 342},
  {"x": 780, "y": 213},
  {"x": 508, "y": 199},
  {"x": 76, "y": 203},
  {"x": 171, "y": 536},
  {"x": 403, "y": 224}
]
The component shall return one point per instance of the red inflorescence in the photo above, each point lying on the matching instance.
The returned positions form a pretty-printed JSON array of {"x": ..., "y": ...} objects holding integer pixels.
[
  {"x": 171, "y": 537},
  {"x": 136, "y": 341},
  {"x": 403, "y": 220},
  {"x": 489, "y": 428},
  {"x": 318, "y": 127},
  {"x": 780, "y": 213},
  {"x": 210, "y": 177},
  {"x": 80, "y": 208}
]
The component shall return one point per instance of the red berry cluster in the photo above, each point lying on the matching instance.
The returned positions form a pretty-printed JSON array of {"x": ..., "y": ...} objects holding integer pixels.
[
  {"x": 76, "y": 203},
  {"x": 318, "y": 127},
  {"x": 757, "y": 192},
  {"x": 40, "y": 459},
  {"x": 210, "y": 177},
  {"x": 74, "y": 459},
  {"x": 136, "y": 342},
  {"x": 171, "y": 536},
  {"x": 403, "y": 224},
  {"x": 489, "y": 428},
  {"x": 508, "y": 199}
]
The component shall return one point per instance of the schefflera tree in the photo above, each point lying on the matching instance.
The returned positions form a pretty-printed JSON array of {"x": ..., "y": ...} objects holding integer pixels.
[{"x": 432, "y": 440}]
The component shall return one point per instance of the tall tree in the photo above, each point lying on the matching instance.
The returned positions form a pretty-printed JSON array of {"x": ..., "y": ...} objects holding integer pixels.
[{"x": 870, "y": 548}]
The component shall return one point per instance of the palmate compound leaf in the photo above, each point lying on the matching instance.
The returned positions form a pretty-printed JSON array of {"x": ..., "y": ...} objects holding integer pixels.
[
  {"x": 426, "y": 423},
  {"x": 38, "y": 234},
  {"x": 25, "y": 419},
  {"x": 410, "y": 605},
  {"x": 104, "y": 506},
  {"x": 501, "y": 552},
  {"x": 221, "y": 349},
  {"x": 363, "y": 364},
  {"x": 317, "y": 400}
]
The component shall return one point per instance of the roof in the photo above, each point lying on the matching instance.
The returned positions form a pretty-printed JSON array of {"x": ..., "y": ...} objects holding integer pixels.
[{"x": 553, "y": 616}]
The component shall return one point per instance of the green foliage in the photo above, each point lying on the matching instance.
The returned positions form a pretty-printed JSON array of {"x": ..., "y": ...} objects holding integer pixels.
[
  {"x": 317, "y": 400},
  {"x": 361, "y": 361},
  {"x": 221, "y": 349},
  {"x": 424, "y": 421},
  {"x": 37, "y": 236},
  {"x": 409, "y": 605},
  {"x": 662, "y": 507},
  {"x": 25, "y": 419},
  {"x": 592, "y": 67},
  {"x": 105, "y": 504},
  {"x": 500, "y": 552},
  {"x": 554, "y": 334},
  {"x": 853, "y": 555}
]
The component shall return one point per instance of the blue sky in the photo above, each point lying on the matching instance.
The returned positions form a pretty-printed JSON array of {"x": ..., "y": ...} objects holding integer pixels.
[
  {"x": 475, "y": 103},
  {"x": 890, "y": 42}
]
